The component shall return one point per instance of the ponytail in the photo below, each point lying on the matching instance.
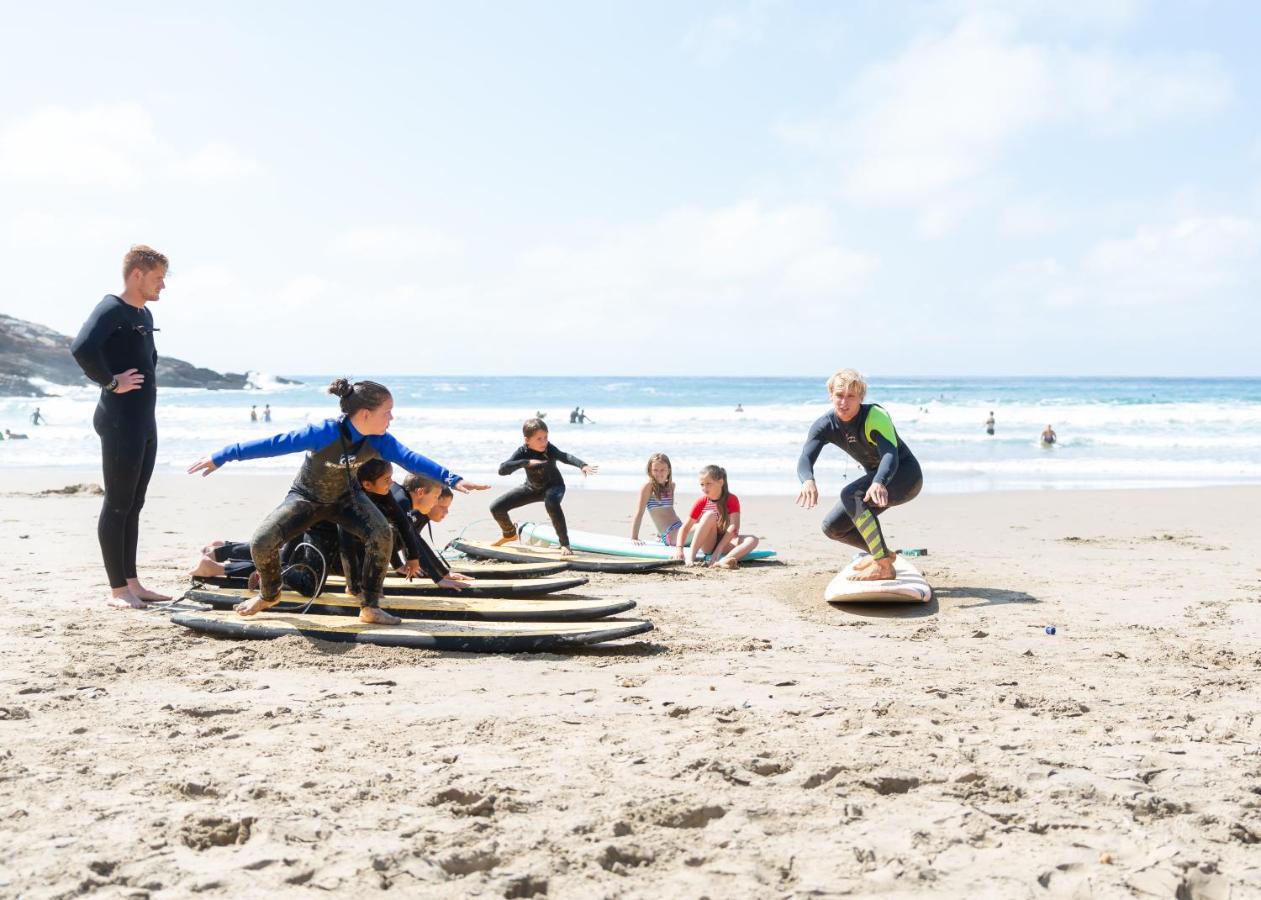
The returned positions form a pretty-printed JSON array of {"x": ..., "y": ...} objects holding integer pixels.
[{"x": 360, "y": 395}]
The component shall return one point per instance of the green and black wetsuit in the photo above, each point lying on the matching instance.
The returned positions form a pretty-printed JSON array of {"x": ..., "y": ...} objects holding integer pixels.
[{"x": 873, "y": 442}]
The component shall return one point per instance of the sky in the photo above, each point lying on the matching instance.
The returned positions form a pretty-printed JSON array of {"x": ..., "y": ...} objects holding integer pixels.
[{"x": 646, "y": 188}]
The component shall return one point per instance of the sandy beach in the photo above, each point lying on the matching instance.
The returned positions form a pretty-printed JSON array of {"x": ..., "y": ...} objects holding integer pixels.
[{"x": 758, "y": 743}]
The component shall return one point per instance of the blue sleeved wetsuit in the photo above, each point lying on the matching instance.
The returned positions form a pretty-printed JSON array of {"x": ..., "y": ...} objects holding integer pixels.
[{"x": 326, "y": 488}]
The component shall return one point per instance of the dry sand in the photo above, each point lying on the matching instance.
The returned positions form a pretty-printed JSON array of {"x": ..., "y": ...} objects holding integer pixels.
[{"x": 759, "y": 743}]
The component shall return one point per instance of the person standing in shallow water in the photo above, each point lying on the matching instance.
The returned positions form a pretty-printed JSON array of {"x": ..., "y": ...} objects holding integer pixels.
[
  {"x": 892, "y": 477},
  {"x": 115, "y": 349}
]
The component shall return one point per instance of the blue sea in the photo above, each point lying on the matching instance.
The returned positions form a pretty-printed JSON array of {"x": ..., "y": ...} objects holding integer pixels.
[{"x": 1113, "y": 432}]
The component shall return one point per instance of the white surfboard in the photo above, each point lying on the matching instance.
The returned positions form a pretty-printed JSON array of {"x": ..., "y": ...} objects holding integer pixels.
[{"x": 909, "y": 586}]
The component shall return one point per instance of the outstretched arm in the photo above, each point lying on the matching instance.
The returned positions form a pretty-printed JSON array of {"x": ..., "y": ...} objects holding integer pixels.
[
  {"x": 392, "y": 451},
  {"x": 313, "y": 437},
  {"x": 518, "y": 460}
]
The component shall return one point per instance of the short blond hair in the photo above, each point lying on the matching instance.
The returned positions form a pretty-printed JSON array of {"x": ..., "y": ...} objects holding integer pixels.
[
  {"x": 843, "y": 378},
  {"x": 144, "y": 258}
]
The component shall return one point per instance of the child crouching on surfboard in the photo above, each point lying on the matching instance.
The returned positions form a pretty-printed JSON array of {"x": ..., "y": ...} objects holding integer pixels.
[
  {"x": 657, "y": 496},
  {"x": 377, "y": 478},
  {"x": 543, "y": 482},
  {"x": 716, "y": 518}
]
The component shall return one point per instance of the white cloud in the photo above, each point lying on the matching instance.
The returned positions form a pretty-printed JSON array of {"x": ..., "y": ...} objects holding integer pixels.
[
  {"x": 1191, "y": 262},
  {"x": 930, "y": 126},
  {"x": 113, "y": 146},
  {"x": 715, "y": 39},
  {"x": 394, "y": 243}
]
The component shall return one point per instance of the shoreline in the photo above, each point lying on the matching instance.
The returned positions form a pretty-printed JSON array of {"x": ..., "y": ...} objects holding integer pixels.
[{"x": 950, "y": 749}]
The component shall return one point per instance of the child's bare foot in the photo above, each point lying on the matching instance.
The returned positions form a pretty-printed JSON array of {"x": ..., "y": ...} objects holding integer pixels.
[
  {"x": 879, "y": 570},
  {"x": 206, "y": 568},
  {"x": 123, "y": 598},
  {"x": 209, "y": 549},
  {"x": 374, "y": 615},
  {"x": 507, "y": 539},
  {"x": 728, "y": 564},
  {"x": 140, "y": 592},
  {"x": 254, "y": 606},
  {"x": 565, "y": 551}
]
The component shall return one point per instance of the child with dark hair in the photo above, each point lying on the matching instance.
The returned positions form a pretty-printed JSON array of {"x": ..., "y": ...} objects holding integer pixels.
[
  {"x": 543, "y": 482},
  {"x": 716, "y": 518}
]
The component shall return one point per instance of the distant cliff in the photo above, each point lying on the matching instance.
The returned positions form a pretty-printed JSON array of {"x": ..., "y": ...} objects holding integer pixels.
[{"x": 31, "y": 351}]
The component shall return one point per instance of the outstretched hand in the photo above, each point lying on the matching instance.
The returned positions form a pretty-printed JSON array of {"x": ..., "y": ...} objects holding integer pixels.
[
  {"x": 204, "y": 466},
  {"x": 590, "y": 470},
  {"x": 467, "y": 487},
  {"x": 808, "y": 498},
  {"x": 877, "y": 495}
]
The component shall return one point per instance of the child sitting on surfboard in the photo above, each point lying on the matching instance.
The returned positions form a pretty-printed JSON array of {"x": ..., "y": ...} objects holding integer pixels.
[
  {"x": 716, "y": 518},
  {"x": 657, "y": 496},
  {"x": 377, "y": 478},
  {"x": 543, "y": 482}
]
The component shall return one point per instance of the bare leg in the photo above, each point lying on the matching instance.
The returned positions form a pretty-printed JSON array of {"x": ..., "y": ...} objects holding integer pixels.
[
  {"x": 725, "y": 540},
  {"x": 747, "y": 544},
  {"x": 374, "y": 615},
  {"x": 704, "y": 539},
  {"x": 140, "y": 592},
  {"x": 208, "y": 568}
]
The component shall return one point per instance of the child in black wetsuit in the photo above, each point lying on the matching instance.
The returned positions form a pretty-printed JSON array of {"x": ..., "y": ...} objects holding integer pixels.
[
  {"x": 377, "y": 478},
  {"x": 543, "y": 482}
]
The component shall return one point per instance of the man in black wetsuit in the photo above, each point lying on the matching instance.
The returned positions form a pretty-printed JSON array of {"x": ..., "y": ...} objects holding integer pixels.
[
  {"x": 892, "y": 473},
  {"x": 115, "y": 349}
]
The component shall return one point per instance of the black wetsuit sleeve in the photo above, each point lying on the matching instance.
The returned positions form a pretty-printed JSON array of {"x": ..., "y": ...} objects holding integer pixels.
[
  {"x": 561, "y": 456},
  {"x": 811, "y": 449},
  {"x": 888, "y": 459},
  {"x": 431, "y": 563},
  {"x": 399, "y": 520},
  {"x": 514, "y": 462},
  {"x": 88, "y": 347}
]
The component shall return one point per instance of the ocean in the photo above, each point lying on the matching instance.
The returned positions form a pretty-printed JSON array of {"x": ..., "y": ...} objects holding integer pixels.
[{"x": 1113, "y": 432}]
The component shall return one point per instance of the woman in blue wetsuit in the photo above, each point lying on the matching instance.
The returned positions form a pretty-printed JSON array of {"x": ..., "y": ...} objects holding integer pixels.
[
  {"x": 327, "y": 489},
  {"x": 892, "y": 476}
]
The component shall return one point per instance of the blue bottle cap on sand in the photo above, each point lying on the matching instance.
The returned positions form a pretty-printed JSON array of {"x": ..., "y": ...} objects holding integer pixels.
[{"x": 1050, "y": 629}]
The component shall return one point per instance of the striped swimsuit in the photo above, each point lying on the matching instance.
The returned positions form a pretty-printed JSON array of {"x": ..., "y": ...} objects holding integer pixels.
[{"x": 663, "y": 502}]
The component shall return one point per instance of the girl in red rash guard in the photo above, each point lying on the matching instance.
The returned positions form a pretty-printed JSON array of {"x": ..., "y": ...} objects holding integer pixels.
[{"x": 716, "y": 518}]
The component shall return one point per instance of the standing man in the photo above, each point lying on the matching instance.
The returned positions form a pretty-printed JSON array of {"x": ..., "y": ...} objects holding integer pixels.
[
  {"x": 115, "y": 349},
  {"x": 37, "y": 418},
  {"x": 891, "y": 472}
]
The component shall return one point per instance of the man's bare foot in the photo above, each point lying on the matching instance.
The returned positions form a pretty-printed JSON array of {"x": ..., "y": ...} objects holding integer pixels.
[
  {"x": 863, "y": 562},
  {"x": 140, "y": 592},
  {"x": 374, "y": 615},
  {"x": 566, "y": 551},
  {"x": 254, "y": 606},
  {"x": 504, "y": 540},
  {"x": 879, "y": 570},
  {"x": 123, "y": 598},
  {"x": 206, "y": 568}
]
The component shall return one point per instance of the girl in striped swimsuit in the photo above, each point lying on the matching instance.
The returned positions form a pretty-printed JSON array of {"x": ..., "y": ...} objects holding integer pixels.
[{"x": 657, "y": 496}]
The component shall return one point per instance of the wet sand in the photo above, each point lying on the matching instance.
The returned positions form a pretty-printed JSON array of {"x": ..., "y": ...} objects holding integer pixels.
[{"x": 758, "y": 743}]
